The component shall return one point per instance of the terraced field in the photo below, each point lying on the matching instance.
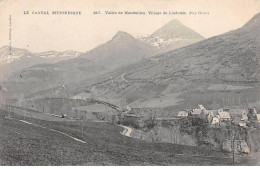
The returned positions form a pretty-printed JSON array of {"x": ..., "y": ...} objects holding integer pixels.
[{"x": 44, "y": 144}]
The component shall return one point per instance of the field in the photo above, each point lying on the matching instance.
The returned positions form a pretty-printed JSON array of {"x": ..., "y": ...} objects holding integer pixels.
[{"x": 44, "y": 144}]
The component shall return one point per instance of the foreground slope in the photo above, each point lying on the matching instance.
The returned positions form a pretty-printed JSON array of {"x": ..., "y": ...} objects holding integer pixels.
[{"x": 25, "y": 144}]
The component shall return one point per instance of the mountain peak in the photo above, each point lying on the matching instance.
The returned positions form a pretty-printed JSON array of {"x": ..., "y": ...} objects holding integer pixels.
[
  {"x": 122, "y": 35},
  {"x": 254, "y": 22},
  {"x": 174, "y": 22},
  {"x": 175, "y": 29}
]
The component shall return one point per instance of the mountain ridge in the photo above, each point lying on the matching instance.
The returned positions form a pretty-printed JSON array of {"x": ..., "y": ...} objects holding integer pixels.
[
  {"x": 121, "y": 50},
  {"x": 171, "y": 36},
  {"x": 185, "y": 76}
]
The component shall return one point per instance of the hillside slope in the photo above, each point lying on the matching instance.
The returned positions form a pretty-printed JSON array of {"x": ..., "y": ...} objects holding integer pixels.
[
  {"x": 122, "y": 50},
  {"x": 195, "y": 74},
  {"x": 45, "y": 76},
  {"x": 19, "y": 59}
]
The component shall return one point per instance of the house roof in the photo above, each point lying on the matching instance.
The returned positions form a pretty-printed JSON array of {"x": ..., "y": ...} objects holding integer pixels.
[
  {"x": 258, "y": 117},
  {"x": 201, "y": 107},
  {"x": 182, "y": 114},
  {"x": 224, "y": 115},
  {"x": 242, "y": 124},
  {"x": 196, "y": 112},
  {"x": 215, "y": 120}
]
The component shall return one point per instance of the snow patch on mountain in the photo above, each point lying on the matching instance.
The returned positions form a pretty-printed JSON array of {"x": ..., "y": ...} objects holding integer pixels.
[
  {"x": 171, "y": 36},
  {"x": 8, "y": 56}
]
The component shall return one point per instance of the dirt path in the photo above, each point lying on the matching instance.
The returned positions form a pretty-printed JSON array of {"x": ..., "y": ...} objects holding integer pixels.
[
  {"x": 57, "y": 131},
  {"x": 123, "y": 77},
  {"x": 127, "y": 131}
]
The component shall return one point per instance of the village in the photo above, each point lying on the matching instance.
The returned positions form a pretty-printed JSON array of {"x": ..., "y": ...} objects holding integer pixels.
[
  {"x": 223, "y": 117},
  {"x": 224, "y": 129}
]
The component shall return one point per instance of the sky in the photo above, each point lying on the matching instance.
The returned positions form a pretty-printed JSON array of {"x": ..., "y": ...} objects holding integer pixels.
[{"x": 39, "y": 33}]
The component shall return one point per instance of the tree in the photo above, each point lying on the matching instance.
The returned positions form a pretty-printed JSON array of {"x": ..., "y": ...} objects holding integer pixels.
[
  {"x": 82, "y": 125},
  {"x": 150, "y": 122}
]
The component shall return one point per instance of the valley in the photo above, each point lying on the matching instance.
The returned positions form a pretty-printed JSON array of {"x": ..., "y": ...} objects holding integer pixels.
[{"x": 135, "y": 101}]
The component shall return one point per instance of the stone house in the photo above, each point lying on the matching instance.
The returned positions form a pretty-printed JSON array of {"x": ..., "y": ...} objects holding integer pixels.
[
  {"x": 224, "y": 116},
  {"x": 183, "y": 113}
]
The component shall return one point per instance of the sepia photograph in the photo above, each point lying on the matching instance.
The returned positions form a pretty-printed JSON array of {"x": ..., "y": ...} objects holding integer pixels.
[{"x": 130, "y": 83}]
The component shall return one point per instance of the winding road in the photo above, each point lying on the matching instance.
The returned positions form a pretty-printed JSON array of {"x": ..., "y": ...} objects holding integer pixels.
[{"x": 127, "y": 131}]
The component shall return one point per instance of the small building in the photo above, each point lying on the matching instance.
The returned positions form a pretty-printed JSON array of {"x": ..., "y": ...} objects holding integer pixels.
[
  {"x": 196, "y": 112},
  {"x": 242, "y": 124},
  {"x": 183, "y": 114},
  {"x": 258, "y": 117},
  {"x": 215, "y": 121},
  {"x": 224, "y": 116},
  {"x": 201, "y": 107},
  {"x": 244, "y": 117}
]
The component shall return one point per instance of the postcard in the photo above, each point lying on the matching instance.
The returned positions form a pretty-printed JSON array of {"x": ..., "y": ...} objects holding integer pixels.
[{"x": 129, "y": 83}]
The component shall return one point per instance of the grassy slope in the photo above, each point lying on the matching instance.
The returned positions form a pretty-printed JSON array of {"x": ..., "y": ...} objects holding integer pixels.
[{"x": 23, "y": 144}]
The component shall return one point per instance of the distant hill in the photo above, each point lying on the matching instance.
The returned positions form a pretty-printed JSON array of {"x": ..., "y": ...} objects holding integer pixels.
[
  {"x": 123, "y": 49},
  {"x": 18, "y": 54},
  {"x": 171, "y": 36},
  {"x": 22, "y": 58},
  {"x": 44, "y": 76}
]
